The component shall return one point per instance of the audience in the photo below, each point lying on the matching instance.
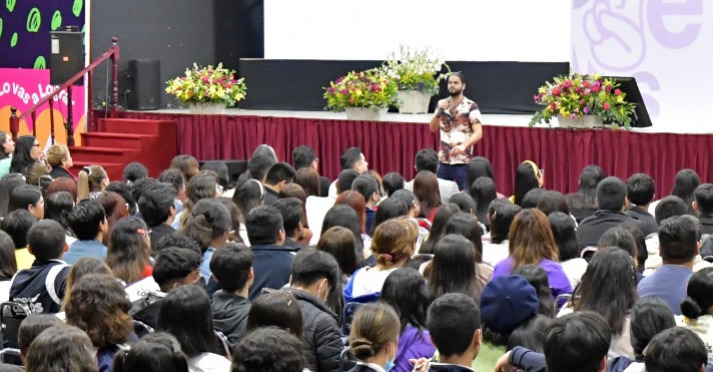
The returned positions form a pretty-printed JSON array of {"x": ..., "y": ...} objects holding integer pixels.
[
  {"x": 88, "y": 221},
  {"x": 501, "y": 214},
  {"x": 276, "y": 309},
  {"x": 527, "y": 177},
  {"x": 269, "y": 349},
  {"x": 374, "y": 337},
  {"x": 62, "y": 349},
  {"x": 304, "y": 157},
  {"x": 425, "y": 187},
  {"x": 27, "y": 197},
  {"x": 352, "y": 159},
  {"x": 611, "y": 198},
  {"x": 583, "y": 203},
  {"x": 232, "y": 269},
  {"x": 91, "y": 181},
  {"x": 155, "y": 352},
  {"x": 134, "y": 171},
  {"x": 427, "y": 160},
  {"x": 292, "y": 213},
  {"x": 453, "y": 269},
  {"x": 676, "y": 350},
  {"x": 31, "y": 327},
  {"x": 703, "y": 206},
  {"x": 640, "y": 191},
  {"x": 564, "y": 230},
  {"x": 697, "y": 308},
  {"x": 271, "y": 259},
  {"x": 367, "y": 186},
  {"x": 277, "y": 177},
  {"x": 454, "y": 324},
  {"x": 158, "y": 209}
]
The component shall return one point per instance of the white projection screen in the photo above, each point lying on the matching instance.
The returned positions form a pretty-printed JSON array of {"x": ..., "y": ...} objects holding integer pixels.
[{"x": 458, "y": 30}]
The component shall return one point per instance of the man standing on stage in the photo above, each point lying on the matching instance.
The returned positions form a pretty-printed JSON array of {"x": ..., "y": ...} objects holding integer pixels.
[{"x": 458, "y": 119}]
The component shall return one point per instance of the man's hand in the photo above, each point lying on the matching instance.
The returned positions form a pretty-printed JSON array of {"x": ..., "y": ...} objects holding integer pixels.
[
  {"x": 503, "y": 363},
  {"x": 443, "y": 104},
  {"x": 457, "y": 150},
  {"x": 420, "y": 365}
]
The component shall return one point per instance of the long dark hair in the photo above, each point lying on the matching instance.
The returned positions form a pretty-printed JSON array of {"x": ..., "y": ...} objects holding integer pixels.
[
  {"x": 58, "y": 206},
  {"x": 453, "y": 268},
  {"x": 248, "y": 195},
  {"x": 698, "y": 299},
  {"x": 439, "y": 222},
  {"x": 345, "y": 216},
  {"x": 465, "y": 225},
  {"x": 3, "y": 137},
  {"x": 525, "y": 180},
  {"x": 586, "y": 196},
  {"x": 8, "y": 264},
  {"x": 21, "y": 159},
  {"x": 564, "y": 231},
  {"x": 128, "y": 252},
  {"x": 608, "y": 287},
  {"x": 155, "y": 352},
  {"x": 685, "y": 185},
  {"x": 185, "y": 313},
  {"x": 483, "y": 192},
  {"x": 280, "y": 309},
  {"x": 425, "y": 187},
  {"x": 537, "y": 277},
  {"x": 479, "y": 167},
  {"x": 8, "y": 183},
  {"x": 649, "y": 317},
  {"x": 405, "y": 290},
  {"x": 209, "y": 219}
]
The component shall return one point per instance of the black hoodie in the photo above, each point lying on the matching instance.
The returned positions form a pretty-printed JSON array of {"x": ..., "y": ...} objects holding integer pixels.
[{"x": 230, "y": 315}]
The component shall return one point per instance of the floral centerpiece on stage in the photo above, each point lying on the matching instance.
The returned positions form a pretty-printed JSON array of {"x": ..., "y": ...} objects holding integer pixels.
[
  {"x": 417, "y": 73},
  {"x": 370, "y": 91},
  {"x": 583, "y": 100},
  {"x": 203, "y": 87}
]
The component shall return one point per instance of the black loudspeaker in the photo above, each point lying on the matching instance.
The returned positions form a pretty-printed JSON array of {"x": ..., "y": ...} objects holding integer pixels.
[
  {"x": 66, "y": 55},
  {"x": 145, "y": 87},
  {"x": 235, "y": 167}
]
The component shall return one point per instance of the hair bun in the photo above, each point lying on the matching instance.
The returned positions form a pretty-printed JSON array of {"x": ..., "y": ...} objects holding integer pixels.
[
  {"x": 690, "y": 308},
  {"x": 362, "y": 348}
]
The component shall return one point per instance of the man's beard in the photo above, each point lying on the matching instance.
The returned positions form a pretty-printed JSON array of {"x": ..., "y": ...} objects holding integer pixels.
[{"x": 455, "y": 93}]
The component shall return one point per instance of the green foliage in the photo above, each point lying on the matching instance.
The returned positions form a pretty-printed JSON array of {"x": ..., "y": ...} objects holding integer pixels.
[
  {"x": 370, "y": 88},
  {"x": 208, "y": 84},
  {"x": 415, "y": 70}
]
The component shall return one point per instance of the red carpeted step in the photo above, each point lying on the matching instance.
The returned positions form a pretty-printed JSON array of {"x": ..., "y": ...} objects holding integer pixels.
[
  {"x": 120, "y": 140},
  {"x": 133, "y": 126},
  {"x": 102, "y": 154}
]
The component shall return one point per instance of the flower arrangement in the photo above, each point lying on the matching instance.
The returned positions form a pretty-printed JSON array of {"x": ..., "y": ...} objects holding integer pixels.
[
  {"x": 578, "y": 95},
  {"x": 370, "y": 88},
  {"x": 208, "y": 84},
  {"x": 415, "y": 70}
]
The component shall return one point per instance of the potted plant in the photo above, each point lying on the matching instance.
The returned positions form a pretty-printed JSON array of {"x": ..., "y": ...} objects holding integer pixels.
[
  {"x": 207, "y": 90},
  {"x": 364, "y": 95},
  {"x": 583, "y": 101},
  {"x": 417, "y": 73}
]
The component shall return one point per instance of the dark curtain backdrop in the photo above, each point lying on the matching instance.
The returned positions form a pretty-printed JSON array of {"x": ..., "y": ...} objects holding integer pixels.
[{"x": 390, "y": 147}]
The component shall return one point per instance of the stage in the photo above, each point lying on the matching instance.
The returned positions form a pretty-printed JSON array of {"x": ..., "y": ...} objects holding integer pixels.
[{"x": 389, "y": 146}]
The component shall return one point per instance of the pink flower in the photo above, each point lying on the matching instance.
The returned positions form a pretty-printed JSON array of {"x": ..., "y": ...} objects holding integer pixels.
[
  {"x": 205, "y": 79},
  {"x": 587, "y": 84},
  {"x": 617, "y": 92},
  {"x": 573, "y": 116},
  {"x": 606, "y": 106},
  {"x": 567, "y": 84},
  {"x": 577, "y": 89},
  {"x": 607, "y": 88},
  {"x": 581, "y": 102},
  {"x": 585, "y": 110},
  {"x": 375, "y": 88},
  {"x": 595, "y": 89},
  {"x": 331, "y": 90},
  {"x": 556, "y": 91},
  {"x": 586, "y": 91},
  {"x": 339, "y": 80},
  {"x": 344, "y": 92},
  {"x": 553, "y": 106}
]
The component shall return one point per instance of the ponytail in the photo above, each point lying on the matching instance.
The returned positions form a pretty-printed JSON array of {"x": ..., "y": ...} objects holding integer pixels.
[
  {"x": 199, "y": 229},
  {"x": 83, "y": 184}
]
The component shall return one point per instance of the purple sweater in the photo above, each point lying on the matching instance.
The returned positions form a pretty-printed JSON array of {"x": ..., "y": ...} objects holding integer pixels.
[
  {"x": 412, "y": 346},
  {"x": 559, "y": 284}
]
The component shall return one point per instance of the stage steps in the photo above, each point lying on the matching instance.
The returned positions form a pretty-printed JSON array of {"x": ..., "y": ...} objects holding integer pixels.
[{"x": 121, "y": 141}]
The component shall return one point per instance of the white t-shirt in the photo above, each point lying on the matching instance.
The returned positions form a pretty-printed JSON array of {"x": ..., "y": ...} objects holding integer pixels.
[
  {"x": 5, "y": 290},
  {"x": 209, "y": 362},
  {"x": 574, "y": 269},
  {"x": 703, "y": 327},
  {"x": 368, "y": 281},
  {"x": 494, "y": 253}
]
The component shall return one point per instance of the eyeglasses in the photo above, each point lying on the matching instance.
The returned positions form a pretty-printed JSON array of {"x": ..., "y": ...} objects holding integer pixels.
[{"x": 35, "y": 145}]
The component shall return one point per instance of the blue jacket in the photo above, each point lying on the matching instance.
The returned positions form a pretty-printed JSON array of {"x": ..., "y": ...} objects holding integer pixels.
[
  {"x": 272, "y": 265},
  {"x": 41, "y": 287}
]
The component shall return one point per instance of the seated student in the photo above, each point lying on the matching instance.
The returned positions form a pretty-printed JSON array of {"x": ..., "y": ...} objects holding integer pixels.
[
  {"x": 65, "y": 348},
  {"x": 697, "y": 308},
  {"x": 27, "y": 197},
  {"x": 17, "y": 224},
  {"x": 292, "y": 216},
  {"x": 276, "y": 309},
  {"x": 88, "y": 221},
  {"x": 158, "y": 210},
  {"x": 352, "y": 159},
  {"x": 640, "y": 191},
  {"x": 177, "y": 241},
  {"x": 704, "y": 206},
  {"x": 42, "y": 286},
  {"x": 368, "y": 187},
  {"x": 268, "y": 349},
  {"x": 427, "y": 160},
  {"x": 575, "y": 342},
  {"x": 174, "y": 267},
  {"x": 305, "y": 157},
  {"x": 501, "y": 214},
  {"x": 154, "y": 352},
  {"x": 676, "y": 350},
  {"x": 678, "y": 239},
  {"x": 317, "y": 207},
  {"x": 667, "y": 207},
  {"x": 374, "y": 337},
  {"x": 98, "y": 306},
  {"x": 210, "y": 225},
  {"x": 454, "y": 323},
  {"x": 611, "y": 196},
  {"x": 315, "y": 274},
  {"x": 174, "y": 177},
  {"x": 271, "y": 260},
  {"x": 232, "y": 269},
  {"x": 277, "y": 177},
  {"x": 393, "y": 182},
  {"x": 31, "y": 327},
  {"x": 134, "y": 171}
]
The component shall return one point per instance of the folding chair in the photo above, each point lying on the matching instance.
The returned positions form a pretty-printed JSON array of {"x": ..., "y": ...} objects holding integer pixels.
[
  {"x": 11, "y": 356},
  {"x": 142, "y": 329},
  {"x": 11, "y": 315},
  {"x": 224, "y": 346}
]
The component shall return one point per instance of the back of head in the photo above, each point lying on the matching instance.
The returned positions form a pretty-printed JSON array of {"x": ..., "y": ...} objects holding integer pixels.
[
  {"x": 62, "y": 184},
  {"x": 611, "y": 194},
  {"x": 8, "y": 264},
  {"x": 345, "y": 180},
  {"x": 350, "y": 157},
  {"x": 345, "y": 216},
  {"x": 134, "y": 171},
  {"x": 83, "y": 267},
  {"x": 374, "y": 326},
  {"x": 426, "y": 160},
  {"x": 366, "y": 185},
  {"x": 32, "y": 326},
  {"x": 405, "y": 290},
  {"x": 676, "y": 349},
  {"x": 453, "y": 267},
  {"x": 649, "y": 317},
  {"x": 525, "y": 180},
  {"x": 280, "y": 172},
  {"x": 506, "y": 303},
  {"x": 465, "y": 225},
  {"x": 393, "y": 182},
  {"x": 128, "y": 249},
  {"x": 202, "y": 187},
  {"x": 621, "y": 238},
  {"x": 303, "y": 156},
  {"x": 685, "y": 185},
  {"x": 61, "y": 348},
  {"x": 453, "y": 320},
  {"x": 388, "y": 209},
  {"x": 501, "y": 214},
  {"x": 531, "y": 238},
  {"x": 704, "y": 199},
  {"x": 640, "y": 189},
  {"x": 221, "y": 169},
  {"x": 248, "y": 195},
  {"x": 17, "y": 224},
  {"x": 210, "y": 213},
  {"x": 264, "y": 224},
  {"x": 425, "y": 187},
  {"x": 668, "y": 207},
  {"x": 678, "y": 240},
  {"x": 340, "y": 242},
  {"x": 85, "y": 219},
  {"x": 532, "y": 198},
  {"x": 259, "y": 165},
  {"x": 483, "y": 192},
  {"x": 311, "y": 265},
  {"x": 577, "y": 342},
  {"x": 442, "y": 216},
  {"x": 698, "y": 300},
  {"x": 291, "y": 210},
  {"x": 7, "y": 183},
  {"x": 394, "y": 241},
  {"x": 176, "y": 240},
  {"x": 155, "y": 352},
  {"x": 188, "y": 165},
  {"x": 537, "y": 277},
  {"x": 479, "y": 167},
  {"x": 174, "y": 265},
  {"x": 156, "y": 202},
  {"x": 58, "y": 206},
  {"x": 185, "y": 313},
  {"x": 99, "y": 306},
  {"x": 464, "y": 202},
  {"x": 552, "y": 201},
  {"x": 124, "y": 190},
  {"x": 268, "y": 349},
  {"x": 23, "y": 196},
  {"x": 46, "y": 240},
  {"x": 276, "y": 309},
  {"x": 231, "y": 266},
  {"x": 564, "y": 231},
  {"x": 309, "y": 179},
  {"x": 174, "y": 177}
]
